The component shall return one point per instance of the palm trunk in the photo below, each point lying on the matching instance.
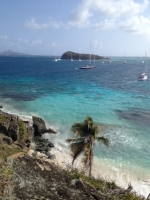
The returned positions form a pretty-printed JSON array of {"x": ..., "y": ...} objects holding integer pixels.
[{"x": 91, "y": 155}]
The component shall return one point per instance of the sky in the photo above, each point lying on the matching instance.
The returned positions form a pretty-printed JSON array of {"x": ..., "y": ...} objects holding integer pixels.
[{"x": 52, "y": 27}]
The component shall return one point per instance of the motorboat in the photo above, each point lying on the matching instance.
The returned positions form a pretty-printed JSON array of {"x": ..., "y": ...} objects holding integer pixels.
[{"x": 143, "y": 77}]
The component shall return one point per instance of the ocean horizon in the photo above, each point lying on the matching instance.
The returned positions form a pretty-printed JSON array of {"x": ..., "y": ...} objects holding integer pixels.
[{"x": 111, "y": 94}]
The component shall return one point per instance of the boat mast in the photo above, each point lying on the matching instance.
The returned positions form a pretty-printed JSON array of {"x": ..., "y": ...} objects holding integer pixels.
[
  {"x": 145, "y": 62},
  {"x": 90, "y": 51}
]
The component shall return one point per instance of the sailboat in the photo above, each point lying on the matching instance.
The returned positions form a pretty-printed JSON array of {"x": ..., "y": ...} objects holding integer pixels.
[
  {"x": 79, "y": 58},
  {"x": 143, "y": 76},
  {"x": 71, "y": 57},
  {"x": 124, "y": 61},
  {"x": 56, "y": 59},
  {"x": 88, "y": 66}
]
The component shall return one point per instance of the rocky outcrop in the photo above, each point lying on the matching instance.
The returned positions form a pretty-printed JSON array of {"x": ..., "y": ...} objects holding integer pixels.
[
  {"x": 23, "y": 134},
  {"x": 18, "y": 130},
  {"x": 44, "y": 146},
  {"x": 38, "y": 179},
  {"x": 39, "y": 125}
]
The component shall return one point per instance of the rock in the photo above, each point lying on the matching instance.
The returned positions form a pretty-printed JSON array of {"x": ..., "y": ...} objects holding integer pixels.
[
  {"x": 77, "y": 183},
  {"x": 1, "y": 107},
  {"x": 7, "y": 140},
  {"x": 39, "y": 126},
  {"x": 42, "y": 145},
  {"x": 13, "y": 130},
  {"x": 50, "y": 156},
  {"x": 12, "y": 126},
  {"x": 5, "y": 119},
  {"x": 49, "y": 130}
]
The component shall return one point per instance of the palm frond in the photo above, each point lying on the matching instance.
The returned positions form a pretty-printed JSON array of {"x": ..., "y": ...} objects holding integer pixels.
[
  {"x": 77, "y": 149},
  {"x": 86, "y": 128},
  {"x": 71, "y": 140},
  {"x": 104, "y": 140},
  {"x": 79, "y": 129}
]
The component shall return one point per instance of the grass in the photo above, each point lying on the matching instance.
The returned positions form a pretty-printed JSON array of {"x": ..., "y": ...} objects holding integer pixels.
[
  {"x": 5, "y": 176},
  {"x": 106, "y": 187},
  {"x": 22, "y": 129},
  {"x": 2, "y": 118},
  {"x": 7, "y": 150}
]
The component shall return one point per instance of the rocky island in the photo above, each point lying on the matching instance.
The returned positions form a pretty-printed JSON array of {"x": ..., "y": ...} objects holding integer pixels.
[
  {"x": 77, "y": 56},
  {"x": 28, "y": 169}
]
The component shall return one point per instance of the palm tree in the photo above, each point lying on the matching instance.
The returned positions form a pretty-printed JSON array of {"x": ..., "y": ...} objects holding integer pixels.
[{"x": 86, "y": 133}]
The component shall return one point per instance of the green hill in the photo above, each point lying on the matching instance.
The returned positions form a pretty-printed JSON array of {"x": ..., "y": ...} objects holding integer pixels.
[{"x": 77, "y": 56}]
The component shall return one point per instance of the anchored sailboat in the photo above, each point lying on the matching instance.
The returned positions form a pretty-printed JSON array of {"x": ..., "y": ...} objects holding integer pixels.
[
  {"x": 143, "y": 76},
  {"x": 88, "y": 66}
]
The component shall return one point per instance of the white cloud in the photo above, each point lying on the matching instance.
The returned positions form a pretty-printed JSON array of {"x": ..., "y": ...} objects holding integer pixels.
[
  {"x": 3, "y": 37},
  {"x": 118, "y": 8},
  {"x": 80, "y": 16},
  {"x": 105, "y": 24},
  {"x": 32, "y": 24},
  {"x": 9, "y": 43},
  {"x": 54, "y": 44},
  {"x": 111, "y": 14},
  {"x": 128, "y": 15},
  {"x": 26, "y": 42},
  {"x": 96, "y": 44},
  {"x": 138, "y": 25},
  {"x": 36, "y": 42},
  {"x": 104, "y": 8}
]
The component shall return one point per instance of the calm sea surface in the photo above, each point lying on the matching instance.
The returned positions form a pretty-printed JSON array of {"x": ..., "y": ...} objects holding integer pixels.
[{"x": 62, "y": 94}]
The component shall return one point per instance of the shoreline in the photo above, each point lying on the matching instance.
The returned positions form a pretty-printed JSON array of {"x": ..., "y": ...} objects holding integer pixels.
[{"x": 63, "y": 159}]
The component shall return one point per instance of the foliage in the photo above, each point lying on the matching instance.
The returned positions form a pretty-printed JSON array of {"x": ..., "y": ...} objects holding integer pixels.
[
  {"x": 5, "y": 176},
  {"x": 22, "y": 129},
  {"x": 7, "y": 150},
  {"x": 86, "y": 133},
  {"x": 105, "y": 187},
  {"x": 2, "y": 118},
  {"x": 69, "y": 54}
]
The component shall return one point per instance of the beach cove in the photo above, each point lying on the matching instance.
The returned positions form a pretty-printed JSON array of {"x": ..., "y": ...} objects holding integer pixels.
[
  {"x": 29, "y": 169},
  {"x": 63, "y": 95}
]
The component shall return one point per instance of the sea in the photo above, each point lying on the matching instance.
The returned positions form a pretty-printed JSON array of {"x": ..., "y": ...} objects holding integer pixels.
[{"x": 111, "y": 94}]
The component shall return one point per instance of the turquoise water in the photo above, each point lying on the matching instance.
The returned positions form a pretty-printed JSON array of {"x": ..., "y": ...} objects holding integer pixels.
[{"x": 111, "y": 94}]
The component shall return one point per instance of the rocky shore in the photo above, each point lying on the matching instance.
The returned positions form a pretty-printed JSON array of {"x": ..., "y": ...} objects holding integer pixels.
[{"x": 29, "y": 169}]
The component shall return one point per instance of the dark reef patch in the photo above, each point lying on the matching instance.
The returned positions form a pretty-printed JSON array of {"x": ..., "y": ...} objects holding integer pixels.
[
  {"x": 19, "y": 96},
  {"x": 135, "y": 115}
]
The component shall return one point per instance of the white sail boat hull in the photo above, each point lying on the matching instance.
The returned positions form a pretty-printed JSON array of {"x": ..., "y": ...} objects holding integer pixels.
[
  {"x": 88, "y": 66},
  {"x": 143, "y": 77}
]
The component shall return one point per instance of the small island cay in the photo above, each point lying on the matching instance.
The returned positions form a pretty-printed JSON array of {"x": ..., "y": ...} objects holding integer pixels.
[{"x": 75, "y": 56}]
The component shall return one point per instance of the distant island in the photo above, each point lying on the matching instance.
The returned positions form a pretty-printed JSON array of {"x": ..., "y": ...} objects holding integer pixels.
[
  {"x": 77, "y": 56},
  {"x": 12, "y": 53}
]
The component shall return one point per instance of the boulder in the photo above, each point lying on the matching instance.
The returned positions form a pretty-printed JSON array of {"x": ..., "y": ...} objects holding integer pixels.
[
  {"x": 18, "y": 130},
  {"x": 7, "y": 140},
  {"x": 43, "y": 145},
  {"x": 50, "y": 130},
  {"x": 5, "y": 119},
  {"x": 39, "y": 125}
]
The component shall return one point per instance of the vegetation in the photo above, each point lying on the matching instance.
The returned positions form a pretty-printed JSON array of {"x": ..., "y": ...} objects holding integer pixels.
[
  {"x": 5, "y": 173},
  {"x": 2, "y": 118},
  {"x": 7, "y": 150},
  {"x": 75, "y": 56},
  {"x": 5, "y": 176},
  {"x": 86, "y": 133},
  {"x": 107, "y": 190},
  {"x": 22, "y": 129}
]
